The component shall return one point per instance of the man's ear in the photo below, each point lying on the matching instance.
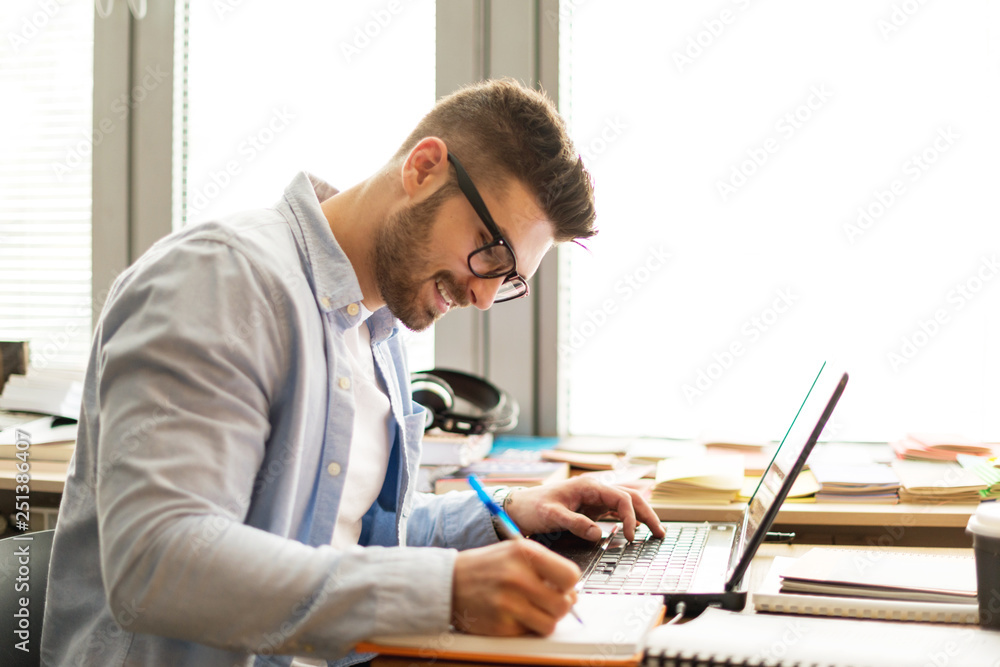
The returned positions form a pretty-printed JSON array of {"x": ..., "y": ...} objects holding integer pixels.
[{"x": 425, "y": 168}]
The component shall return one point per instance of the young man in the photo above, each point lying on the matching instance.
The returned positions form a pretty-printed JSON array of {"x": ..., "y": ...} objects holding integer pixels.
[{"x": 243, "y": 485}]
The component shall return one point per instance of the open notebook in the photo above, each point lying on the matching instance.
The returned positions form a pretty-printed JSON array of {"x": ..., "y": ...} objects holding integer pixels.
[{"x": 612, "y": 632}]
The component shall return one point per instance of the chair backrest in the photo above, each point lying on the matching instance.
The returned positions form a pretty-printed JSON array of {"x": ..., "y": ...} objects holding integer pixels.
[{"x": 24, "y": 574}]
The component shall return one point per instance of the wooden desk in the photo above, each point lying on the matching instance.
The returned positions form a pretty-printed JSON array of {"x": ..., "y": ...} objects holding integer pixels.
[
  {"x": 905, "y": 524},
  {"x": 758, "y": 572}
]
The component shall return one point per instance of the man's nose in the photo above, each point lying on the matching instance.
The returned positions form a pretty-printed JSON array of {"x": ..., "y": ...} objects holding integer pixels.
[{"x": 482, "y": 291}]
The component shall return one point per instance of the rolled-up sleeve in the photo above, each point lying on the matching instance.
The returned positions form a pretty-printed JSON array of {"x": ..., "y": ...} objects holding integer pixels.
[
  {"x": 186, "y": 399},
  {"x": 456, "y": 520}
]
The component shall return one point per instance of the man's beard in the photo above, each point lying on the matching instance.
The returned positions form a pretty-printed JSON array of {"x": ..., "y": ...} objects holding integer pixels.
[{"x": 400, "y": 257}]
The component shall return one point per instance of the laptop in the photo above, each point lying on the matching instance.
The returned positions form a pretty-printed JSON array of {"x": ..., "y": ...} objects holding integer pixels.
[{"x": 702, "y": 564}]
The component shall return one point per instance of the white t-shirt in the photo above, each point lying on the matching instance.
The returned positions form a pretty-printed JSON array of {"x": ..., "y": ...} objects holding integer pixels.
[{"x": 370, "y": 445}]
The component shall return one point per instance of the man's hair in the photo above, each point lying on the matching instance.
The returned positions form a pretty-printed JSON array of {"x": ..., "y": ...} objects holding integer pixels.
[{"x": 500, "y": 129}]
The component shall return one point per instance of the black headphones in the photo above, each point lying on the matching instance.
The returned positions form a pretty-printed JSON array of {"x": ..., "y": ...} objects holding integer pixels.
[{"x": 438, "y": 389}]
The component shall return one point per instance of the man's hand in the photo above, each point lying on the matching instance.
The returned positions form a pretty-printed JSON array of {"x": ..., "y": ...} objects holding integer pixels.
[
  {"x": 574, "y": 504},
  {"x": 511, "y": 588}
]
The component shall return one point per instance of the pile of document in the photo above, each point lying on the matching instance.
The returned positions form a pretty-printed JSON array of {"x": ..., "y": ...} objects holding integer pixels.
[
  {"x": 938, "y": 482},
  {"x": 937, "y": 447},
  {"x": 855, "y": 482},
  {"x": 444, "y": 453}
]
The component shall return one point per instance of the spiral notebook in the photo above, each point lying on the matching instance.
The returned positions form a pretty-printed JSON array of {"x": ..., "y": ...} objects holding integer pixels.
[{"x": 733, "y": 639}]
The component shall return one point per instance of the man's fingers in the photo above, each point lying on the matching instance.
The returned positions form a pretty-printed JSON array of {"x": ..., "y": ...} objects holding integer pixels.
[
  {"x": 644, "y": 512},
  {"x": 620, "y": 500},
  {"x": 578, "y": 524},
  {"x": 630, "y": 507}
]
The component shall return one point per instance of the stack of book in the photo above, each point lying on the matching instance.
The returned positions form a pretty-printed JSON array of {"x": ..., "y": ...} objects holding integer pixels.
[
  {"x": 937, "y": 447},
  {"x": 855, "y": 482},
  {"x": 588, "y": 452},
  {"x": 937, "y": 482},
  {"x": 757, "y": 452},
  {"x": 503, "y": 472},
  {"x": 866, "y": 583},
  {"x": 50, "y": 438},
  {"x": 884, "y": 575},
  {"x": 713, "y": 480},
  {"x": 443, "y": 453}
]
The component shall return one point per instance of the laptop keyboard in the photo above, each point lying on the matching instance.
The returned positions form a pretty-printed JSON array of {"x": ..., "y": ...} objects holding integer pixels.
[{"x": 649, "y": 564}]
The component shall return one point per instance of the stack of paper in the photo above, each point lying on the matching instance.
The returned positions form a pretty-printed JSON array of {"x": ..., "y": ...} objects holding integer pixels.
[
  {"x": 50, "y": 392},
  {"x": 855, "y": 483},
  {"x": 987, "y": 471},
  {"x": 937, "y": 447},
  {"x": 699, "y": 480},
  {"x": 937, "y": 482}
]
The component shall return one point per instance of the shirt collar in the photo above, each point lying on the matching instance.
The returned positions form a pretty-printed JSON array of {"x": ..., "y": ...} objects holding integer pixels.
[{"x": 330, "y": 273}]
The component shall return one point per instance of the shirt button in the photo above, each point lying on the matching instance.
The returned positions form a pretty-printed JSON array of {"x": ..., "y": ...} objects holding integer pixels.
[
  {"x": 333, "y": 469},
  {"x": 325, "y": 301},
  {"x": 353, "y": 309},
  {"x": 345, "y": 383}
]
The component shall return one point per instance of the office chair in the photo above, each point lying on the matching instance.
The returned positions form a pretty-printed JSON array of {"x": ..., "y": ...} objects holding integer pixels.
[{"x": 14, "y": 585}]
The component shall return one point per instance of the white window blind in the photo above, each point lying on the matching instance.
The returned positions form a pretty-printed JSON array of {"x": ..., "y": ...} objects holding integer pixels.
[
  {"x": 781, "y": 183},
  {"x": 334, "y": 94},
  {"x": 46, "y": 140}
]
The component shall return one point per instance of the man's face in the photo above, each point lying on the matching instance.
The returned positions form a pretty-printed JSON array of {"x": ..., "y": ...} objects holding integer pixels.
[{"x": 421, "y": 252}]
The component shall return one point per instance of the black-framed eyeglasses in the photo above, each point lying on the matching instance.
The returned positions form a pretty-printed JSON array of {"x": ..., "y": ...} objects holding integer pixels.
[{"x": 496, "y": 258}]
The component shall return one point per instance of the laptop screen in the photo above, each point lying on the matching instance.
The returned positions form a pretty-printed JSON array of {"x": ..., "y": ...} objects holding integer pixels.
[{"x": 788, "y": 461}]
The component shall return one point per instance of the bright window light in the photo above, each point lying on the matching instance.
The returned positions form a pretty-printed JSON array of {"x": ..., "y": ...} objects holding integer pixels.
[{"x": 779, "y": 184}]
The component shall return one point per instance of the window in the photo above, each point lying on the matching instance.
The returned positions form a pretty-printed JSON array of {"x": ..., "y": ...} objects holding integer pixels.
[
  {"x": 335, "y": 94},
  {"x": 778, "y": 184},
  {"x": 46, "y": 82}
]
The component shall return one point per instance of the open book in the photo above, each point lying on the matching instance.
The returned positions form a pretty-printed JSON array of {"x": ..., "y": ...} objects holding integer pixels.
[{"x": 611, "y": 634}]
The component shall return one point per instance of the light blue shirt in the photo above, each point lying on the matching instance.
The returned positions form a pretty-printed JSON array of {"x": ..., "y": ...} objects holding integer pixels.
[{"x": 214, "y": 439}]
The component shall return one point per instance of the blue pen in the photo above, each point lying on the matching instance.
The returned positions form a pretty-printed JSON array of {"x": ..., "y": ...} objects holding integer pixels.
[{"x": 512, "y": 532}]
